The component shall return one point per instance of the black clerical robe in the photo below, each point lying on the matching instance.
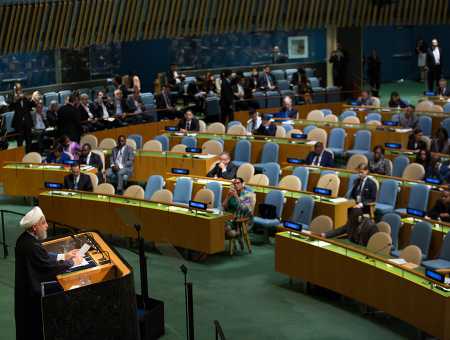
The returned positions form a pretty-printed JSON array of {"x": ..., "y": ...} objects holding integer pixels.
[{"x": 33, "y": 266}]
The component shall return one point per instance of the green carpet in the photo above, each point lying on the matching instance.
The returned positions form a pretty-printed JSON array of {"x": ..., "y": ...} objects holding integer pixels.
[
  {"x": 409, "y": 90},
  {"x": 243, "y": 292}
]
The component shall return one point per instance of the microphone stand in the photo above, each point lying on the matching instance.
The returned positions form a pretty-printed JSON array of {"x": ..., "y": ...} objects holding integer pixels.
[
  {"x": 142, "y": 265},
  {"x": 189, "y": 305}
]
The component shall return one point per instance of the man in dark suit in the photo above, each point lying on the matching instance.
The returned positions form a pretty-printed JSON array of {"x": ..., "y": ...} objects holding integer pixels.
[
  {"x": 267, "y": 127},
  {"x": 267, "y": 81},
  {"x": 443, "y": 89},
  {"x": 76, "y": 180},
  {"x": 226, "y": 98},
  {"x": 189, "y": 122},
  {"x": 22, "y": 121},
  {"x": 174, "y": 79},
  {"x": 35, "y": 265},
  {"x": 434, "y": 64},
  {"x": 69, "y": 120},
  {"x": 364, "y": 190},
  {"x": 164, "y": 104},
  {"x": 338, "y": 60},
  {"x": 320, "y": 156},
  {"x": 90, "y": 158},
  {"x": 224, "y": 168}
]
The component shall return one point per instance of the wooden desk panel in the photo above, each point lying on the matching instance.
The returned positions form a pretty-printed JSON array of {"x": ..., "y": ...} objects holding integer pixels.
[
  {"x": 418, "y": 305},
  {"x": 11, "y": 155},
  {"x": 178, "y": 229}
]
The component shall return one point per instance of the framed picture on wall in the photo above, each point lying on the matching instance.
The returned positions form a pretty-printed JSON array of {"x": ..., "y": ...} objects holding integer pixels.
[{"x": 298, "y": 47}]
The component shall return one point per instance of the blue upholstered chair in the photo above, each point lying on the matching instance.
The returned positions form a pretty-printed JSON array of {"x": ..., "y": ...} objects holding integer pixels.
[
  {"x": 443, "y": 261},
  {"x": 336, "y": 141},
  {"x": 387, "y": 196},
  {"x": 189, "y": 141},
  {"x": 276, "y": 198},
  {"x": 182, "y": 192},
  {"x": 418, "y": 198},
  {"x": 420, "y": 237},
  {"x": 138, "y": 139},
  {"x": 272, "y": 171},
  {"x": 303, "y": 174},
  {"x": 303, "y": 211},
  {"x": 399, "y": 164},
  {"x": 425, "y": 124},
  {"x": 346, "y": 114},
  {"x": 362, "y": 145},
  {"x": 164, "y": 142},
  {"x": 269, "y": 154},
  {"x": 373, "y": 116},
  {"x": 154, "y": 183},
  {"x": 242, "y": 152},
  {"x": 394, "y": 220},
  {"x": 216, "y": 188},
  {"x": 308, "y": 129}
]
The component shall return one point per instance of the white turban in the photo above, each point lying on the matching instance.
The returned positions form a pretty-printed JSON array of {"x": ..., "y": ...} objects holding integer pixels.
[{"x": 31, "y": 218}]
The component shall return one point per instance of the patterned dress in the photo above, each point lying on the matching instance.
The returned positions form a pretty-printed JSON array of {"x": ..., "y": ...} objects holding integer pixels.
[{"x": 240, "y": 208}]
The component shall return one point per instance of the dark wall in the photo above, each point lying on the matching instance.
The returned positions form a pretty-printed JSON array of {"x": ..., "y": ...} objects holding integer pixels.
[
  {"x": 351, "y": 41},
  {"x": 396, "y": 47}
]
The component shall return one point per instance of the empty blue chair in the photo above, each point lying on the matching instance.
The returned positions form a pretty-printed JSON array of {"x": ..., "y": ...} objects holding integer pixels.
[
  {"x": 276, "y": 198},
  {"x": 308, "y": 129},
  {"x": 336, "y": 141},
  {"x": 326, "y": 112},
  {"x": 8, "y": 117},
  {"x": 346, "y": 114},
  {"x": 446, "y": 124},
  {"x": 303, "y": 174},
  {"x": 154, "y": 183},
  {"x": 395, "y": 117},
  {"x": 278, "y": 74},
  {"x": 182, "y": 192},
  {"x": 395, "y": 222},
  {"x": 425, "y": 123},
  {"x": 447, "y": 108},
  {"x": 164, "y": 141},
  {"x": 399, "y": 164},
  {"x": 269, "y": 153},
  {"x": 138, "y": 139},
  {"x": 363, "y": 140},
  {"x": 272, "y": 171},
  {"x": 443, "y": 261},
  {"x": 273, "y": 99},
  {"x": 260, "y": 98},
  {"x": 418, "y": 198},
  {"x": 287, "y": 128},
  {"x": 420, "y": 237},
  {"x": 373, "y": 116},
  {"x": 283, "y": 84},
  {"x": 233, "y": 123},
  {"x": 49, "y": 97},
  {"x": 148, "y": 98},
  {"x": 242, "y": 152},
  {"x": 387, "y": 196},
  {"x": 290, "y": 72},
  {"x": 189, "y": 141},
  {"x": 303, "y": 211},
  {"x": 216, "y": 188},
  {"x": 63, "y": 95}
]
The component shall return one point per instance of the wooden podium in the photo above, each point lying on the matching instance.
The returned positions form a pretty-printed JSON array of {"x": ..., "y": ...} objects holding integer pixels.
[{"x": 95, "y": 300}]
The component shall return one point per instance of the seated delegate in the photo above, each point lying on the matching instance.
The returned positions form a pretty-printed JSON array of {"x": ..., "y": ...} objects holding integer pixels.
[
  {"x": 121, "y": 168},
  {"x": 224, "y": 168},
  {"x": 76, "y": 180},
  {"x": 320, "y": 156},
  {"x": 267, "y": 127},
  {"x": 378, "y": 164},
  {"x": 189, "y": 122},
  {"x": 441, "y": 209},
  {"x": 240, "y": 202},
  {"x": 415, "y": 141}
]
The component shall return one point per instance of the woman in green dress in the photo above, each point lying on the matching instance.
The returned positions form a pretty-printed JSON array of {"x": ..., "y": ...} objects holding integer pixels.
[{"x": 240, "y": 202}]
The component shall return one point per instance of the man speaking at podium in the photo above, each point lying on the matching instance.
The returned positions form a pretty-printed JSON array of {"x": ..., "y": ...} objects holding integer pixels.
[{"x": 33, "y": 266}]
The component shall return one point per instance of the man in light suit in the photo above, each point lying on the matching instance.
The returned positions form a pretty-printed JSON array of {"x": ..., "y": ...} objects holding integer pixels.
[
  {"x": 320, "y": 156},
  {"x": 90, "y": 158},
  {"x": 434, "y": 64},
  {"x": 121, "y": 168}
]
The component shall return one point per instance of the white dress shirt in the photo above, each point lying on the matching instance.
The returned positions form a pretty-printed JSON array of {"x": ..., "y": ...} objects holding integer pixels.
[
  {"x": 251, "y": 125},
  {"x": 437, "y": 56},
  {"x": 119, "y": 159}
]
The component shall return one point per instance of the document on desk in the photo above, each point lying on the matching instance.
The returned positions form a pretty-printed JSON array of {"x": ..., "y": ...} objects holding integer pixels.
[
  {"x": 338, "y": 200},
  {"x": 84, "y": 249},
  {"x": 403, "y": 130},
  {"x": 398, "y": 261},
  {"x": 208, "y": 156},
  {"x": 82, "y": 264}
]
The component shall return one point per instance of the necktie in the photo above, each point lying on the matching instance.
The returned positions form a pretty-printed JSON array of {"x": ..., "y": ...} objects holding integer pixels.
[{"x": 188, "y": 125}]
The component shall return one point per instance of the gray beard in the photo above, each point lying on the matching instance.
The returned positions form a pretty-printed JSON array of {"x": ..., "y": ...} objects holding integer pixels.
[{"x": 42, "y": 236}]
